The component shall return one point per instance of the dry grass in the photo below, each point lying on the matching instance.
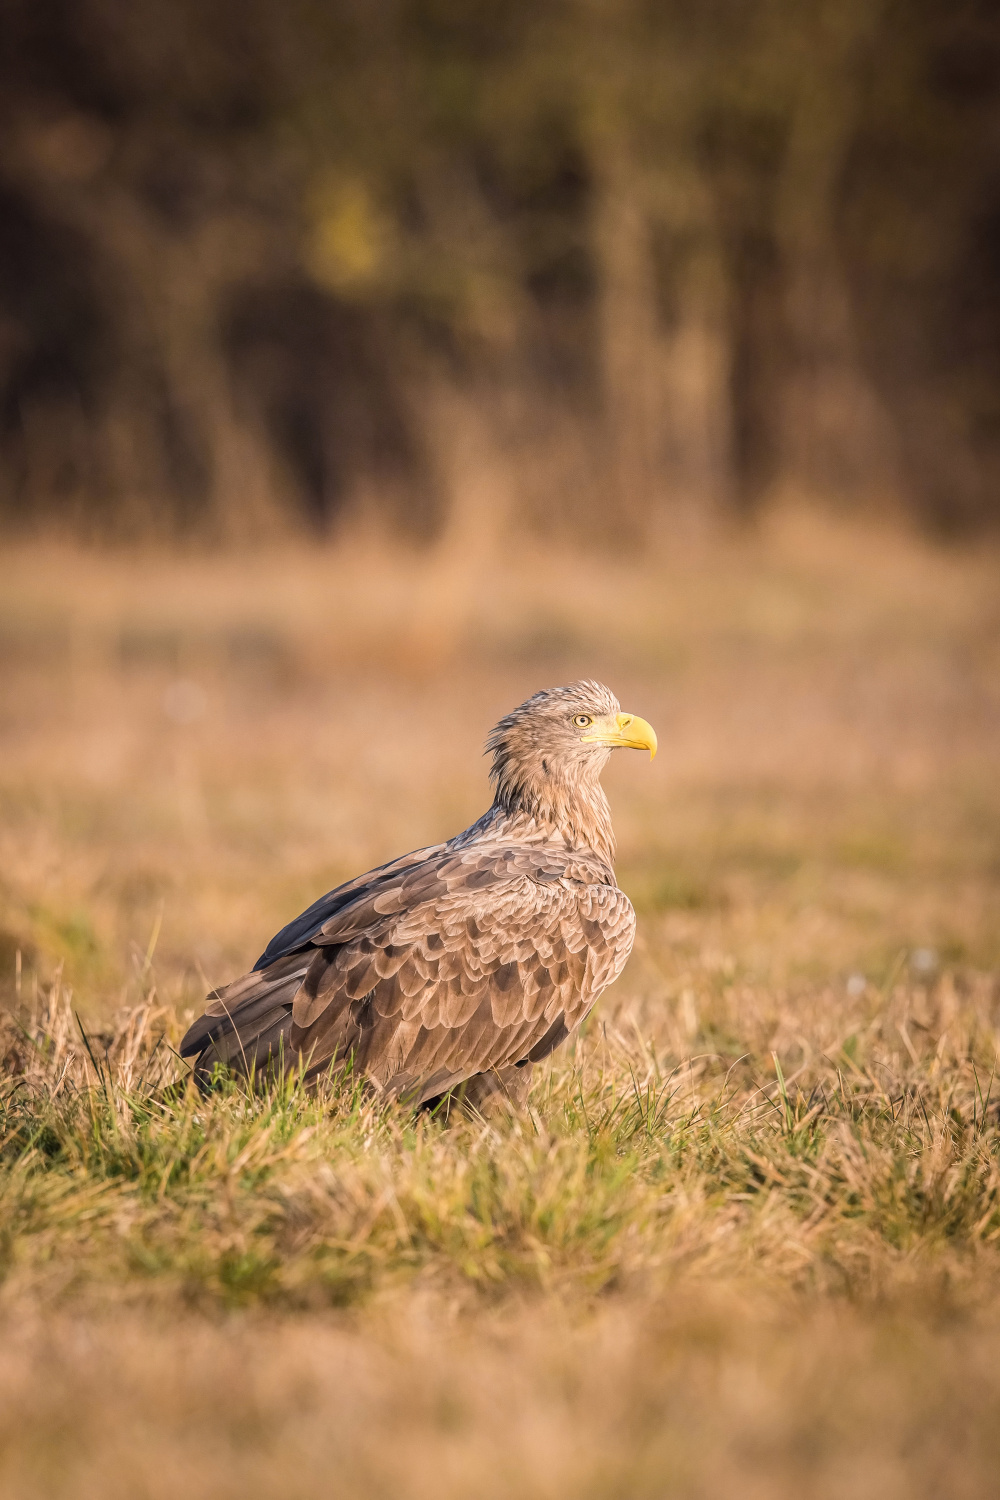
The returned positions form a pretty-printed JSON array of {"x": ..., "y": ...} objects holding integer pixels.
[{"x": 746, "y": 1239}]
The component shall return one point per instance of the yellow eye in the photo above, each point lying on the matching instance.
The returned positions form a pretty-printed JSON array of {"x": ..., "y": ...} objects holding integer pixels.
[{"x": 583, "y": 721}]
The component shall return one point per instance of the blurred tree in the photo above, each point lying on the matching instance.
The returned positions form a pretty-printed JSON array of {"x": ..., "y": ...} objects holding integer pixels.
[{"x": 258, "y": 264}]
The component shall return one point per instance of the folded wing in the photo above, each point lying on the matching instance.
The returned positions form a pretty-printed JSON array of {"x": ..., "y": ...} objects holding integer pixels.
[{"x": 465, "y": 961}]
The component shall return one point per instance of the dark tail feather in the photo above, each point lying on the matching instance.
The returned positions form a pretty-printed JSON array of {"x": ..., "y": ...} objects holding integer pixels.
[{"x": 247, "y": 1023}]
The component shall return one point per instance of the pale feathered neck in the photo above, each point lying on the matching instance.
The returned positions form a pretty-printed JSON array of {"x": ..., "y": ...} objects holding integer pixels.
[
  {"x": 572, "y": 813},
  {"x": 574, "y": 822}
]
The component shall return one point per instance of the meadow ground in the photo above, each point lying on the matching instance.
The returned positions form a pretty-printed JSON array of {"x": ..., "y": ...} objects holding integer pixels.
[{"x": 747, "y": 1239}]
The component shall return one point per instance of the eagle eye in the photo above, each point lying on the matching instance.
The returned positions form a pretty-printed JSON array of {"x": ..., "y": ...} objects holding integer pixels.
[{"x": 583, "y": 721}]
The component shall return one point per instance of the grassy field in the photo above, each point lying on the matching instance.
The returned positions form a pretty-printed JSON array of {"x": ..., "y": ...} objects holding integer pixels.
[{"x": 747, "y": 1238}]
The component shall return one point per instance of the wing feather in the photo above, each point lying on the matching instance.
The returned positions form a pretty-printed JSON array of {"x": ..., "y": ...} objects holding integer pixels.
[{"x": 437, "y": 967}]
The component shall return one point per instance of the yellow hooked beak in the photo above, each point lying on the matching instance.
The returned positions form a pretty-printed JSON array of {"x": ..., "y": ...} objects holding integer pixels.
[{"x": 624, "y": 731}]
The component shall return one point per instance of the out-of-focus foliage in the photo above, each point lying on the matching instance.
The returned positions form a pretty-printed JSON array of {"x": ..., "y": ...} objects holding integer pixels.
[{"x": 260, "y": 260}]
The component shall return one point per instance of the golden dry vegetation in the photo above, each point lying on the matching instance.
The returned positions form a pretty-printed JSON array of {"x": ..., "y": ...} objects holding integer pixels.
[{"x": 746, "y": 1240}]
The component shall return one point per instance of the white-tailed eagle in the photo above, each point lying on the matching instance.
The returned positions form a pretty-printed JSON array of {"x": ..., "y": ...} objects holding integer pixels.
[{"x": 464, "y": 963}]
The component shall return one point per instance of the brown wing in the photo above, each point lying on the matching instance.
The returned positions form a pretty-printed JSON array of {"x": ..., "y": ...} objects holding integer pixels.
[
  {"x": 301, "y": 931},
  {"x": 478, "y": 958}
]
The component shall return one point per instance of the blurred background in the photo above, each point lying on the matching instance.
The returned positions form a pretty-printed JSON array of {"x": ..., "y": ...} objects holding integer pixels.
[
  {"x": 376, "y": 364},
  {"x": 608, "y": 269}
]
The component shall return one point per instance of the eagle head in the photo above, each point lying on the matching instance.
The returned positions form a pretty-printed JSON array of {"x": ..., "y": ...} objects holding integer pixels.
[{"x": 549, "y": 753}]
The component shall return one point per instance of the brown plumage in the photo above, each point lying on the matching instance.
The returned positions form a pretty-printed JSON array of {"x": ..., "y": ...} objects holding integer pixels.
[{"x": 466, "y": 962}]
